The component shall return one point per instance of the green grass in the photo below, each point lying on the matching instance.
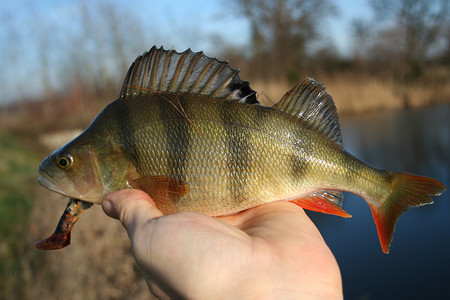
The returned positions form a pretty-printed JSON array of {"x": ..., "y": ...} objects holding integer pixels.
[
  {"x": 18, "y": 174},
  {"x": 17, "y": 178}
]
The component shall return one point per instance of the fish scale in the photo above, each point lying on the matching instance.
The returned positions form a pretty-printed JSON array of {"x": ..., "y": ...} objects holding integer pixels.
[{"x": 190, "y": 133}]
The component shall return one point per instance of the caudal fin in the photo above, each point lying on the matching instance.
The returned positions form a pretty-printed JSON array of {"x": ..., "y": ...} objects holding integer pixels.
[{"x": 408, "y": 190}]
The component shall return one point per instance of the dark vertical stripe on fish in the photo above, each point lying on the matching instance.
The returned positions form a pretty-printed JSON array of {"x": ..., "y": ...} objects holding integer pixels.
[
  {"x": 126, "y": 133},
  {"x": 299, "y": 162},
  {"x": 237, "y": 141},
  {"x": 177, "y": 136},
  {"x": 298, "y": 167}
]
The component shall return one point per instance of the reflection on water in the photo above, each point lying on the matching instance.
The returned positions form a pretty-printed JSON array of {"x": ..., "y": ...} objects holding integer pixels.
[{"x": 418, "y": 266}]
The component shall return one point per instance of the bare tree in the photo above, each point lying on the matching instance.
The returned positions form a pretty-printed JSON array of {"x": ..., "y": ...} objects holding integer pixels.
[
  {"x": 362, "y": 35},
  {"x": 98, "y": 48},
  {"x": 281, "y": 31},
  {"x": 415, "y": 27}
]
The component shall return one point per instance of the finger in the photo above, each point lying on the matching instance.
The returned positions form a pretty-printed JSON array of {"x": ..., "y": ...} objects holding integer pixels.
[
  {"x": 251, "y": 215},
  {"x": 276, "y": 219},
  {"x": 132, "y": 207}
]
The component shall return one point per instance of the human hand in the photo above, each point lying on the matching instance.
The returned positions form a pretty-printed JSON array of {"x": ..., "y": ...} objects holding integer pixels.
[{"x": 272, "y": 251}]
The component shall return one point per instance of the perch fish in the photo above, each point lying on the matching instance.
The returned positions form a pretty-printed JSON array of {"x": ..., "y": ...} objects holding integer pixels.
[{"x": 190, "y": 133}]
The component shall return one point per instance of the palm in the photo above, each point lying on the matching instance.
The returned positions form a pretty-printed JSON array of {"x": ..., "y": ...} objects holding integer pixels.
[{"x": 268, "y": 250}]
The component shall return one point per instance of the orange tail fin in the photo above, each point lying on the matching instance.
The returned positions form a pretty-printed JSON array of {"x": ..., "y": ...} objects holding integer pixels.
[{"x": 408, "y": 190}]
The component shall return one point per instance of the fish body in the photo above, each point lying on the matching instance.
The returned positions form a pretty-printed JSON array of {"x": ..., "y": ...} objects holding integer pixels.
[{"x": 191, "y": 134}]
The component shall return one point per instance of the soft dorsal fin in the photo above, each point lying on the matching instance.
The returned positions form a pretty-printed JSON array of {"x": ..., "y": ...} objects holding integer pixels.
[
  {"x": 167, "y": 71},
  {"x": 309, "y": 101}
]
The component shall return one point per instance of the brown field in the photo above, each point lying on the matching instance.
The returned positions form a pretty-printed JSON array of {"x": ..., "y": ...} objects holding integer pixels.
[{"x": 98, "y": 264}]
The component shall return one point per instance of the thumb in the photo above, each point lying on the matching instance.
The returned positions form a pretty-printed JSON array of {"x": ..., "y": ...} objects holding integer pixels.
[{"x": 132, "y": 207}]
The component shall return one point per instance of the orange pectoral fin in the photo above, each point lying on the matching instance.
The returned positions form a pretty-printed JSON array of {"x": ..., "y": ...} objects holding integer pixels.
[
  {"x": 161, "y": 188},
  {"x": 322, "y": 202}
]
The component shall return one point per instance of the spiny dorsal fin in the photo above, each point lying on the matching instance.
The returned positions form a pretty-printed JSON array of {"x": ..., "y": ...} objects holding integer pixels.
[
  {"x": 309, "y": 101},
  {"x": 167, "y": 71}
]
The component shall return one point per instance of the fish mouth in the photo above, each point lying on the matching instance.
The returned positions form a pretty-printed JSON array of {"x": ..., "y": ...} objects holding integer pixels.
[
  {"x": 48, "y": 184},
  {"x": 46, "y": 181}
]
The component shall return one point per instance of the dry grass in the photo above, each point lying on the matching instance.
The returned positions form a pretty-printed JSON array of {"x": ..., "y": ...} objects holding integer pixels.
[
  {"x": 270, "y": 92},
  {"x": 358, "y": 94}
]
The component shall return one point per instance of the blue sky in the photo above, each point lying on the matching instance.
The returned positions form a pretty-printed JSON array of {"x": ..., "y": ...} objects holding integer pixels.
[
  {"x": 216, "y": 17},
  {"x": 175, "y": 24}
]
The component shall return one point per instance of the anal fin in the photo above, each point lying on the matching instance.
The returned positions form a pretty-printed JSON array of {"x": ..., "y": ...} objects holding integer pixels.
[{"x": 328, "y": 202}]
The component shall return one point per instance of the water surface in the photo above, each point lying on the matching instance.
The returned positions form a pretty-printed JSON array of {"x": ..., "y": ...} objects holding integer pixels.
[{"x": 418, "y": 266}]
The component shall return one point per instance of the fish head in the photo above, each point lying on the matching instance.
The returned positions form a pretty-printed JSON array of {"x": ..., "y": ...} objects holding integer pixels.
[{"x": 72, "y": 171}]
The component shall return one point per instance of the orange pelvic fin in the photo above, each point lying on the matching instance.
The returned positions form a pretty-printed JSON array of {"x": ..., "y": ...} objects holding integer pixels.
[
  {"x": 61, "y": 237},
  {"x": 408, "y": 190},
  {"x": 328, "y": 202}
]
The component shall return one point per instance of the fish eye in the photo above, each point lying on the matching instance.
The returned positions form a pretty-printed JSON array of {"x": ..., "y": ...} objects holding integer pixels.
[{"x": 65, "y": 161}]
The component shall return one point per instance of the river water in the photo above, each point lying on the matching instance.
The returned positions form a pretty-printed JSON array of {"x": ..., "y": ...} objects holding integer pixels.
[{"x": 418, "y": 266}]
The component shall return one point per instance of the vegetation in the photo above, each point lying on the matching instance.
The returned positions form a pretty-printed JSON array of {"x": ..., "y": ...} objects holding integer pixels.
[
  {"x": 400, "y": 60},
  {"x": 18, "y": 174}
]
